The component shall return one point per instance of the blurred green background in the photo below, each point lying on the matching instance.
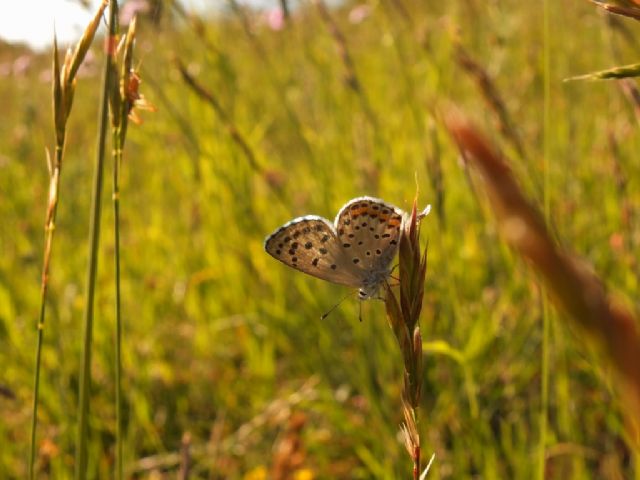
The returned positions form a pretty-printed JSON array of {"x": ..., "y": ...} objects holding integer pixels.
[{"x": 223, "y": 345}]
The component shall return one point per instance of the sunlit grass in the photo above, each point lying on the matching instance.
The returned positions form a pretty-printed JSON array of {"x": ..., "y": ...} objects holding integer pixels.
[{"x": 220, "y": 337}]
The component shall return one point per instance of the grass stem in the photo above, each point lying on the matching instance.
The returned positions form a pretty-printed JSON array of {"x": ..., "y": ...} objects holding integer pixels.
[
  {"x": 94, "y": 236},
  {"x": 48, "y": 245},
  {"x": 64, "y": 84},
  {"x": 117, "y": 159},
  {"x": 544, "y": 394}
]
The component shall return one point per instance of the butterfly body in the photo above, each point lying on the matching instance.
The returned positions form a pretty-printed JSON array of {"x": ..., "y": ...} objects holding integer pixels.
[{"x": 356, "y": 250}]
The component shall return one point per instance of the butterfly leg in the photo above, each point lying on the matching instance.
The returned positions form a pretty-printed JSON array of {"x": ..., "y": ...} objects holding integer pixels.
[
  {"x": 380, "y": 297},
  {"x": 391, "y": 272}
]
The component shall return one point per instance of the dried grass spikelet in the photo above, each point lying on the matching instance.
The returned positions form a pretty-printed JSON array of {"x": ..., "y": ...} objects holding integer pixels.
[
  {"x": 289, "y": 455},
  {"x": 130, "y": 81},
  {"x": 350, "y": 77},
  {"x": 619, "y": 72},
  {"x": 627, "y": 8},
  {"x": 572, "y": 285},
  {"x": 125, "y": 97},
  {"x": 404, "y": 315},
  {"x": 64, "y": 77}
]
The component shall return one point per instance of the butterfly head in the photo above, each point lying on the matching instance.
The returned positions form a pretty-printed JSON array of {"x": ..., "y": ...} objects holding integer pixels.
[
  {"x": 367, "y": 292},
  {"x": 372, "y": 284}
]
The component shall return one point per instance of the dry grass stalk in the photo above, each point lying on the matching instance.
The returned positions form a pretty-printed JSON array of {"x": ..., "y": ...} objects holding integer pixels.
[
  {"x": 64, "y": 84},
  {"x": 404, "y": 315},
  {"x": 491, "y": 96},
  {"x": 627, "y": 8},
  {"x": 617, "y": 27},
  {"x": 185, "y": 457},
  {"x": 64, "y": 79},
  {"x": 381, "y": 149},
  {"x": 124, "y": 98},
  {"x": 623, "y": 71},
  {"x": 627, "y": 86},
  {"x": 237, "y": 442},
  {"x": 350, "y": 76},
  {"x": 284, "y": 6},
  {"x": 198, "y": 26},
  {"x": 572, "y": 286},
  {"x": 632, "y": 93},
  {"x": 231, "y": 128},
  {"x": 622, "y": 187},
  {"x": 434, "y": 167},
  {"x": 403, "y": 11},
  {"x": 247, "y": 27},
  {"x": 271, "y": 73},
  {"x": 351, "y": 79},
  {"x": 289, "y": 455}
]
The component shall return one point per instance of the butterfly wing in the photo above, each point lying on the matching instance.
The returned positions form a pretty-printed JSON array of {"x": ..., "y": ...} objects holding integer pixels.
[
  {"x": 310, "y": 244},
  {"x": 368, "y": 230}
]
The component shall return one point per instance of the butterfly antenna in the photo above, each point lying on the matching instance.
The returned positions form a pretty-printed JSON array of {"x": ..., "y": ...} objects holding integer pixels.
[{"x": 326, "y": 314}]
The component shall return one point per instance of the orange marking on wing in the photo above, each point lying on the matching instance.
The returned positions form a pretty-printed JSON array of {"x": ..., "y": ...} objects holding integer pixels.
[
  {"x": 395, "y": 222},
  {"x": 359, "y": 211}
]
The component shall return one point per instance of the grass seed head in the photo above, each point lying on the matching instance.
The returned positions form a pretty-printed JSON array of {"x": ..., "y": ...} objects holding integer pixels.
[
  {"x": 64, "y": 76},
  {"x": 626, "y": 8},
  {"x": 404, "y": 318},
  {"x": 82, "y": 47},
  {"x": 572, "y": 285}
]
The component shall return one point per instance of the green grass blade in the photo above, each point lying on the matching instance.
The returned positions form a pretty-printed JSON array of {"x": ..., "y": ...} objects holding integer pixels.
[
  {"x": 625, "y": 71},
  {"x": 94, "y": 236}
]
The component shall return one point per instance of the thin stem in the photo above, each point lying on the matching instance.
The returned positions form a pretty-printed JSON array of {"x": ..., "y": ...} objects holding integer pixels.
[
  {"x": 94, "y": 236},
  {"x": 416, "y": 452},
  {"x": 50, "y": 222},
  {"x": 230, "y": 126},
  {"x": 117, "y": 158},
  {"x": 547, "y": 109},
  {"x": 544, "y": 394}
]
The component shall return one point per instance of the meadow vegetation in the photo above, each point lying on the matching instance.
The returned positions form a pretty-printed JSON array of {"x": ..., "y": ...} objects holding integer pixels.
[{"x": 228, "y": 371}]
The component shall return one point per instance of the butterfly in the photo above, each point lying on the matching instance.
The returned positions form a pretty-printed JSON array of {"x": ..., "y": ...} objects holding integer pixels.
[{"x": 356, "y": 250}]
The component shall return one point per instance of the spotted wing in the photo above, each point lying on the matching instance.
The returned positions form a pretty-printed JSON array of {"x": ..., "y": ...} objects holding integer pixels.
[
  {"x": 310, "y": 244},
  {"x": 369, "y": 231}
]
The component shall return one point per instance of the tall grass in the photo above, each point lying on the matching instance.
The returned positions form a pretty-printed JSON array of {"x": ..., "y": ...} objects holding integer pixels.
[
  {"x": 403, "y": 313},
  {"x": 64, "y": 83},
  {"x": 124, "y": 101},
  {"x": 82, "y": 438},
  {"x": 223, "y": 343},
  {"x": 547, "y": 345},
  {"x": 575, "y": 289}
]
